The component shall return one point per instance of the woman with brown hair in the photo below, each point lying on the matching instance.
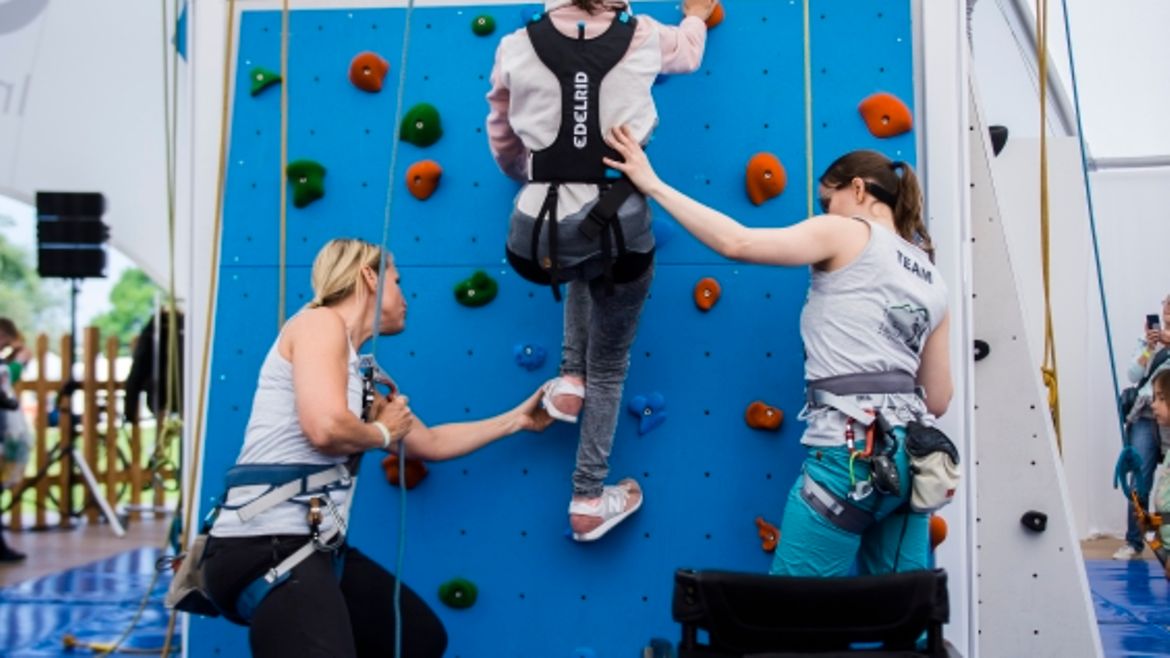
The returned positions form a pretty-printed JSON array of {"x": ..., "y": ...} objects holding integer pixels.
[{"x": 877, "y": 362}]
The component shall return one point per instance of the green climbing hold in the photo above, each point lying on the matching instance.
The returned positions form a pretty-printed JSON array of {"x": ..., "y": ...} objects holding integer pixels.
[
  {"x": 308, "y": 181},
  {"x": 421, "y": 126},
  {"x": 458, "y": 593},
  {"x": 483, "y": 25},
  {"x": 262, "y": 79},
  {"x": 477, "y": 290}
]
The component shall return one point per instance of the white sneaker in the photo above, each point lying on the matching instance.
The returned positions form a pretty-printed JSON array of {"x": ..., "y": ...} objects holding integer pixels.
[
  {"x": 615, "y": 504},
  {"x": 1127, "y": 552}
]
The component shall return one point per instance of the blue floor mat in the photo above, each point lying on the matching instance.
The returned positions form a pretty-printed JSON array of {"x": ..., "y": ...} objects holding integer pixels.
[
  {"x": 94, "y": 603},
  {"x": 1132, "y": 599}
]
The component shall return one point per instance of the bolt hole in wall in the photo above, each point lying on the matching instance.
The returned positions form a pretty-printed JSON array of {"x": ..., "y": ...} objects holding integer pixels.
[{"x": 698, "y": 369}]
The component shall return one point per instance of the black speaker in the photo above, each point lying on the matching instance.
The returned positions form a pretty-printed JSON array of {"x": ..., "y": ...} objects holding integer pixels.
[{"x": 71, "y": 236}]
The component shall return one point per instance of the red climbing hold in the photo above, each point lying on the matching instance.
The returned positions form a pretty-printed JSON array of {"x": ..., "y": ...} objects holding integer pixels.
[
  {"x": 716, "y": 16},
  {"x": 766, "y": 178},
  {"x": 763, "y": 417},
  {"x": 769, "y": 534},
  {"x": 422, "y": 179},
  {"x": 367, "y": 71},
  {"x": 416, "y": 470},
  {"x": 886, "y": 115},
  {"x": 938, "y": 531},
  {"x": 707, "y": 292}
]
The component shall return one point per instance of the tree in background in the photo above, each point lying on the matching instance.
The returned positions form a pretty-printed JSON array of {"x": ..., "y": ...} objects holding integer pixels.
[
  {"x": 35, "y": 305},
  {"x": 132, "y": 302}
]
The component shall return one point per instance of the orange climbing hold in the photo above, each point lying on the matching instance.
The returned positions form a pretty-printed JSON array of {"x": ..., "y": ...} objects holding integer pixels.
[
  {"x": 886, "y": 115},
  {"x": 716, "y": 16},
  {"x": 938, "y": 531},
  {"x": 763, "y": 417},
  {"x": 707, "y": 292},
  {"x": 367, "y": 71},
  {"x": 766, "y": 178},
  {"x": 416, "y": 470},
  {"x": 422, "y": 179},
  {"x": 769, "y": 534}
]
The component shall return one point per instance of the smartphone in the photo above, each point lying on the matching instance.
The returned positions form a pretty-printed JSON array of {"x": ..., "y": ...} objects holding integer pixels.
[{"x": 1154, "y": 321}]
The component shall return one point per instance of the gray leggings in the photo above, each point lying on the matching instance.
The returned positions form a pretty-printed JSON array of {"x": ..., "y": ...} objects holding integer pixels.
[{"x": 599, "y": 330}]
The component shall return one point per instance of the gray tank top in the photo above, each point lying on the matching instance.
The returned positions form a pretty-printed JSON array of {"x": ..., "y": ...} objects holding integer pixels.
[
  {"x": 873, "y": 315},
  {"x": 274, "y": 436}
]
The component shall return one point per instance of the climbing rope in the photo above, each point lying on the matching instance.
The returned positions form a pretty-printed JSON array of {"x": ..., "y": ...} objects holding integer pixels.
[
  {"x": 187, "y": 499},
  {"x": 808, "y": 107},
  {"x": 282, "y": 260},
  {"x": 171, "y": 424},
  {"x": 390, "y": 187},
  {"x": 1092, "y": 215},
  {"x": 1048, "y": 368}
]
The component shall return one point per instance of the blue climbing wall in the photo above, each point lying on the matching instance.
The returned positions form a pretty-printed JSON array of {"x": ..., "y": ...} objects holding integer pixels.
[{"x": 498, "y": 517}]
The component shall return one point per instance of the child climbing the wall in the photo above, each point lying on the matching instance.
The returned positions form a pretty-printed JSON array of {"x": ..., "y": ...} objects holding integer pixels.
[
  {"x": 877, "y": 363},
  {"x": 578, "y": 69}
]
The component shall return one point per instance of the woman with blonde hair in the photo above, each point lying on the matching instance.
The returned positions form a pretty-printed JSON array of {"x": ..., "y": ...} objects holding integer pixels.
[{"x": 308, "y": 413}]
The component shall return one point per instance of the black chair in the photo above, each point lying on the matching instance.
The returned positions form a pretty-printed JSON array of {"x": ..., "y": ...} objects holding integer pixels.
[{"x": 760, "y": 616}]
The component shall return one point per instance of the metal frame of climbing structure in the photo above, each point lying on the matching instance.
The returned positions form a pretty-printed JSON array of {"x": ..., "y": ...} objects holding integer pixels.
[{"x": 721, "y": 473}]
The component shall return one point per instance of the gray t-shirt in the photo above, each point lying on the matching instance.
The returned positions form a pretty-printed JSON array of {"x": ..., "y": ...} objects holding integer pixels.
[
  {"x": 275, "y": 436},
  {"x": 872, "y": 315}
]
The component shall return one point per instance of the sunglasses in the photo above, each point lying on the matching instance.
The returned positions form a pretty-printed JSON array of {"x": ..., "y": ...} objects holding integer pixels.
[{"x": 880, "y": 193}]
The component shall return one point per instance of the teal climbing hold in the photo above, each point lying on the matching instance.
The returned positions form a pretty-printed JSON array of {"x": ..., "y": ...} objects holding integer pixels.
[
  {"x": 421, "y": 125},
  {"x": 308, "y": 181},
  {"x": 262, "y": 79},
  {"x": 477, "y": 290},
  {"x": 458, "y": 593},
  {"x": 483, "y": 25}
]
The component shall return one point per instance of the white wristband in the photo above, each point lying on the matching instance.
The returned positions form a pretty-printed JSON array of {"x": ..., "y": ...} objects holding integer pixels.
[{"x": 385, "y": 433}]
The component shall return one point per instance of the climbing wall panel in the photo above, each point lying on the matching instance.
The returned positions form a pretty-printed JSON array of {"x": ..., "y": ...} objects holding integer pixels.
[
  {"x": 1033, "y": 592},
  {"x": 498, "y": 517}
]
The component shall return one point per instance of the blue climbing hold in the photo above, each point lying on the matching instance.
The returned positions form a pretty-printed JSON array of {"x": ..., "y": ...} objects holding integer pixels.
[
  {"x": 661, "y": 79},
  {"x": 529, "y": 356},
  {"x": 584, "y": 652},
  {"x": 650, "y": 410},
  {"x": 530, "y": 14}
]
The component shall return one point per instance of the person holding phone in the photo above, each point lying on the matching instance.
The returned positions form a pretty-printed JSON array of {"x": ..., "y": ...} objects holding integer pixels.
[{"x": 1142, "y": 434}]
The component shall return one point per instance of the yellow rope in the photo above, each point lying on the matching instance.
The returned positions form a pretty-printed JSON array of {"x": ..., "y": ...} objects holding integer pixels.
[
  {"x": 808, "y": 104},
  {"x": 1048, "y": 369},
  {"x": 280, "y": 305},
  {"x": 172, "y": 425},
  {"x": 187, "y": 501}
]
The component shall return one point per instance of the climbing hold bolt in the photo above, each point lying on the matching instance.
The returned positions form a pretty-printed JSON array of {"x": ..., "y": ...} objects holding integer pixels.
[
  {"x": 769, "y": 534},
  {"x": 421, "y": 125},
  {"x": 707, "y": 292},
  {"x": 458, "y": 593},
  {"x": 483, "y": 25},
  {"x": 650, "y": 410},
  {"x": 262, "y": 79},
  {"x": 761, "y": 416},
  {"x": 307, "y": 178},
  {"x": 766, "y": 178},
  {"x": 885, "y": 115},
  {"x": 422, "y": 179},
  {"x": 1034, "y": 521},
  {"x": 528, "y": 356},
  {"x": 367, "y": 70},
  {"x": 477, "y": 290}
]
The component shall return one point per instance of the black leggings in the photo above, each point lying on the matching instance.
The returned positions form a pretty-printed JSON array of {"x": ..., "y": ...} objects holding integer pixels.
[{"x": 312, "y": 614}]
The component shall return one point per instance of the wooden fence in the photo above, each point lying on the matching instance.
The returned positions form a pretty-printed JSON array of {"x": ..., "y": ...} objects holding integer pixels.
[{"x": 125, "y": 469}]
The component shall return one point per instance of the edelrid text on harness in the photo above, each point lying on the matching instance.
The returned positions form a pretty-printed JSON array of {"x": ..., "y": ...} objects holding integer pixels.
[{"x": 576, "y": 155}]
